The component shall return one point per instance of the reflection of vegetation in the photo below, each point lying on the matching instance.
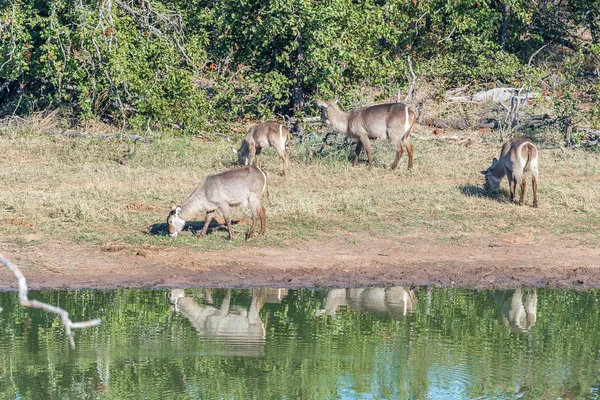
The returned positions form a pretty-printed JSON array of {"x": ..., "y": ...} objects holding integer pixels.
[{"x": 454, "y": 340}]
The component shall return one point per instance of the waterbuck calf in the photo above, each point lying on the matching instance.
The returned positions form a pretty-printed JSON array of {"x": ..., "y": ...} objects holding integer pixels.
[
  {"x": 391, "y": 121},
  {"x": 237, "y": 187},
  {"x": 261, "y": 136},
  {"x": 518, "y": 156}
]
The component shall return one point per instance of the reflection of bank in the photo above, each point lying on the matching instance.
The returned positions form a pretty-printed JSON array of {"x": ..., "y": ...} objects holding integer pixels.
[
  {"x": 395, "y": 302},
  {"x": 518, "y": 308},
  {"x": 233, "y": 330}
]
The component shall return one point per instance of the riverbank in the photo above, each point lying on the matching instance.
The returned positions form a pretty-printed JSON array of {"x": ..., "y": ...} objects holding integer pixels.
[
  {"x": 90, "y": 213},
  {"x": 347, "y": 261}
]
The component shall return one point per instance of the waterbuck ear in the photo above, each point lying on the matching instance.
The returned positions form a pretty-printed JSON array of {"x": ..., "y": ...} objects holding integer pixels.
[
  {"x": 336, "y": 100},
  {"x": 173, "y": 206},
  {"x": 321, "y": 103},
  {"x": 177, "y": 210}
]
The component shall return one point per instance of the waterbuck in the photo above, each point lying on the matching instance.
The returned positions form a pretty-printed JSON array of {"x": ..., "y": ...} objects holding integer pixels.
[
  {"x": 261, "y": 136},
  {"x": 391, "y": 121},
  {"x": 518, "y": 156},
  {"x": 237, "y": 187}
]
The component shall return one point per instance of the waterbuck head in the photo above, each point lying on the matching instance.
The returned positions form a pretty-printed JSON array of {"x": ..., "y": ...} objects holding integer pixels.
[
  {"x": 174, "y": 221},
  {"x": 491, "y": 181},
  {"x": 323, "y": 105},
  {"x": 243, "y": 154}
]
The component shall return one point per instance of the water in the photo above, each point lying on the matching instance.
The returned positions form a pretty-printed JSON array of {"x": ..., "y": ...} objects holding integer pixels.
[{"x": 370, "y": 343}]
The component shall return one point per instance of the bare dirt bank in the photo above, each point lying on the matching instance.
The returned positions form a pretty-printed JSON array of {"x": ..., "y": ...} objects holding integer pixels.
[{"x": 340, "y": 262}]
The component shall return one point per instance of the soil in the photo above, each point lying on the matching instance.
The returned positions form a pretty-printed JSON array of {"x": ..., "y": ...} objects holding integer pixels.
[{"x": 345, "y": 261}]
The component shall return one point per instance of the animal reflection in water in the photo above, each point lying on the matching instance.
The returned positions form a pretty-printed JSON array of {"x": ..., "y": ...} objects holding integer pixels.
[
  {"x": 518, "y": 309},
  {"x": 395, "y": 302},
  {"x": 240, "y": 328}
]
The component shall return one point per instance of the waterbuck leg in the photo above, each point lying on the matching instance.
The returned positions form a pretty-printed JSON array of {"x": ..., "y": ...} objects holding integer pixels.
[
  {"x": 410, "y": 149},
  {"x": 229, "y": 228},
  {"x": 255, "y": 212},
  {"x": 263, "y": 220},
  {"x": 534, "y": 185},
  {"x": 523, "y": 187},
  {"x": 227, "y": 215},
  {"x": 258, "y": 211},
  {"x": 207, "y": 219},
  {"x": 399, "y": 152},
  {"x": 359, "y": 147},
  {"x": 512, "y": 185},
  {"x": 258, "y": 151},
  {"x": 284, "y": 156},
  {"x": 252, "y": 153},
  {"x": 367, "y": 145}
]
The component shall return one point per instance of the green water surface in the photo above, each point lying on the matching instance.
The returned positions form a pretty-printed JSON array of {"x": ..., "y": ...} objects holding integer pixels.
[{"x": 372, "y": 343}]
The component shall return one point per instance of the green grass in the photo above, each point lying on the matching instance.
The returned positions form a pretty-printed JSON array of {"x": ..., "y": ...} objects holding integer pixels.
[{"x": 101, "y": 192}]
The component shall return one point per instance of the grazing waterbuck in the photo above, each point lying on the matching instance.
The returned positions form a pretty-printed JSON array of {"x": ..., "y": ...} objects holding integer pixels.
[
  {"x": 392, "y": 121},
  {"x": 237, "y": 187},
  {"x": 261, "y": 136},
  {"x": 517, "y": 157}
]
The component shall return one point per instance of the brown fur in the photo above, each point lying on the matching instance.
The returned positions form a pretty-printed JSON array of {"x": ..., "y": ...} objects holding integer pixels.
[
  {"x": 392, "y": 121},
  {"x": 239, "y": 186},
  {"x": 518, "y": 156},
  {"x": 260, "y": 136}
]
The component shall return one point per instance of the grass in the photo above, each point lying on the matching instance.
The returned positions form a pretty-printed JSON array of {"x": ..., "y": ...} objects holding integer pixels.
[{"x": 118, "y": 193}]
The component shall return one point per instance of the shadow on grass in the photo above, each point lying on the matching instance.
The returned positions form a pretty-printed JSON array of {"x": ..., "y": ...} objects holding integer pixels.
[
  {"x": 500, "y": 195},
  {"x": 193, "y": 227}
]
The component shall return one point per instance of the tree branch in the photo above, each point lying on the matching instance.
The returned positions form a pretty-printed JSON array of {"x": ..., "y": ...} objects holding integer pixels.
[
  {"x": 535, "y": 54},
  {"x": 26, "y": 302},
  {"x": 171, "y": 22},
  {"x": 412, "y": 82}
]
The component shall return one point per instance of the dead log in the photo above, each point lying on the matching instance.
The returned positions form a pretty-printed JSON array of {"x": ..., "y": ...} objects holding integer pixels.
[
  {"x": 117, "y": 136},
  {"x": 460, "y": 124}
]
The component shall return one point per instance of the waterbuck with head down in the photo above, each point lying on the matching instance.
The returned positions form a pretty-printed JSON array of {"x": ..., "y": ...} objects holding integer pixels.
[
  {"x": 517, "y": 157},
  {"x": 392, "y": 121},
  {"x": 261, "y": 136},
  {"x": 237, "y": 187}
]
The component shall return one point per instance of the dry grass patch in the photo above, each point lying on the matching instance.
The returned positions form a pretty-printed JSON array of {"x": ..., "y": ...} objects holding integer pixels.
[{"x": 74, "y": 188}]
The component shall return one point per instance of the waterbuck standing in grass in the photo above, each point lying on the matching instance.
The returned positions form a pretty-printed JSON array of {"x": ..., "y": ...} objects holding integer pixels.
[
  {"x": 518, "y": 156},
  {"x": 237, "y": 187},
  {"x": 261, "y": 136},
  {"x": 391, "y": 121}
]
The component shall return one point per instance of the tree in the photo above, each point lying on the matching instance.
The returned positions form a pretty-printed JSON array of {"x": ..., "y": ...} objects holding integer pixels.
[{"x": 25, "y": 301}]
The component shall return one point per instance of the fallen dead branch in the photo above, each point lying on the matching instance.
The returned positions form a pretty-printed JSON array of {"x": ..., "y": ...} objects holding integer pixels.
[
  {"x": 26, "y": 302},
  {"x": 116, "y": 136},
  {"x": 459, "y": 140}
]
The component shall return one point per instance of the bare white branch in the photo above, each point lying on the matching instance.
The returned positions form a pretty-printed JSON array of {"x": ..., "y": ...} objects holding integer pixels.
[
  {"x": 535, "y": 54},
  {"x": 170, "y": 21},
  {"x": 26, "y": 302},
  {"x": 412, "y": 82},
  {"x": 14, "y": 45}
]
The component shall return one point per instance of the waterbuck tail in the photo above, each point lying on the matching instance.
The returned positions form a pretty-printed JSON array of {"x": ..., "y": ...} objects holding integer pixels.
[
  {"x": 409, "y": 122},
  {"x": 265, "y": 187},
  {"x": 532, "y": 161}
]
